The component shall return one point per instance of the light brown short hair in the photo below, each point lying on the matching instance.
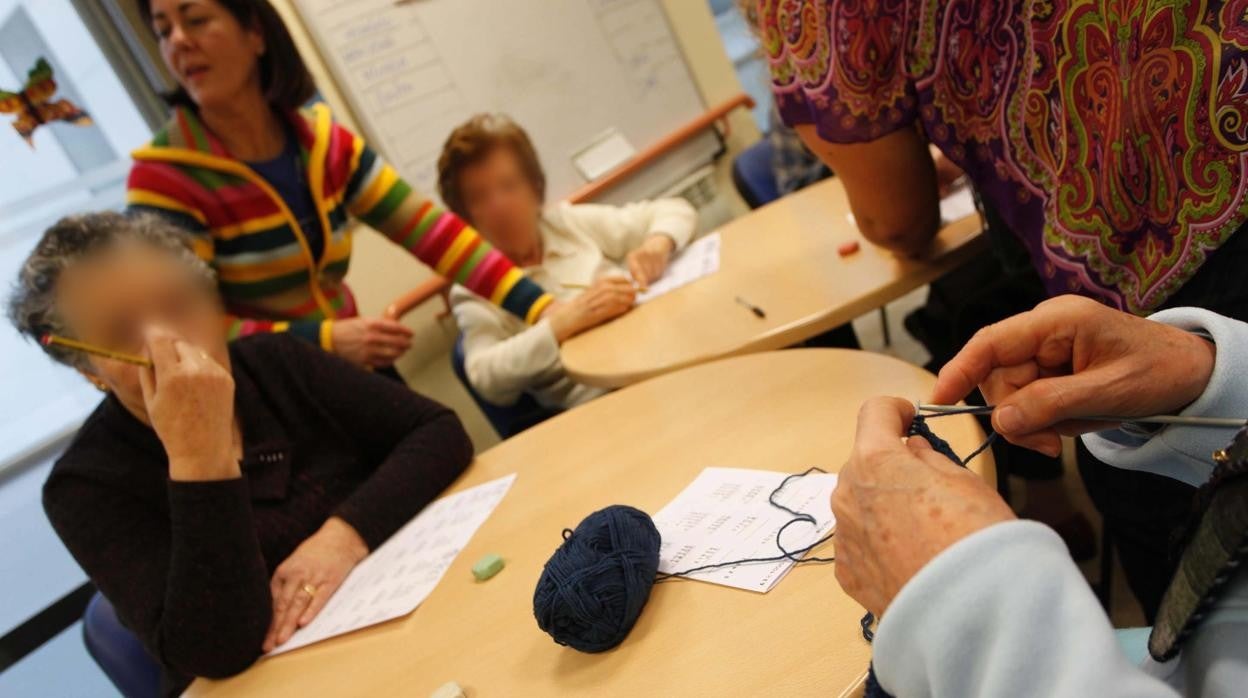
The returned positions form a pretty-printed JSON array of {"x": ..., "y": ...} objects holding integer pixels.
[{"x": 471, "y": 142}]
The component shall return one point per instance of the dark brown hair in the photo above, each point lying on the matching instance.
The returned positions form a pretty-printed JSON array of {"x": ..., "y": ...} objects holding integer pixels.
[
  {"x": 471, "y": 142},
  {"x": 284, "y": 77}
]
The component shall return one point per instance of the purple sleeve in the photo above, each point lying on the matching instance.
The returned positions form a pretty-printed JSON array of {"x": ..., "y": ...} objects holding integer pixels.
[{"x": 841, "y": 66}]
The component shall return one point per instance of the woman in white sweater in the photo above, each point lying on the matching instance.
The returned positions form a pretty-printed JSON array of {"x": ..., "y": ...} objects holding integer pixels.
[{"x": 489, "y": 174}]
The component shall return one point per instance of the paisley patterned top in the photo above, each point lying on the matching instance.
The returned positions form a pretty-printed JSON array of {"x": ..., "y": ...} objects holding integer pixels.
[{"x": 1112, "y": 136}]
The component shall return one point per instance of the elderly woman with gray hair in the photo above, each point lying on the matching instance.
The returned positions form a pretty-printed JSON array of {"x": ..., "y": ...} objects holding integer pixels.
[{"x": 219, "y": 496}]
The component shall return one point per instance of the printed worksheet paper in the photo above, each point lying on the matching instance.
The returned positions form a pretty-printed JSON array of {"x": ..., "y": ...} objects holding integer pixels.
[
  {"x": 699, "y": 259},
  {"x": 724, "y": 515},
  {"x": 403, "y": 571}
]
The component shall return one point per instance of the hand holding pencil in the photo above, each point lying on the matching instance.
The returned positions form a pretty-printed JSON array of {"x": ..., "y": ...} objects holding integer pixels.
[
  {"x": 648, "y": 262},
  {"x": 189, "y": 399}
]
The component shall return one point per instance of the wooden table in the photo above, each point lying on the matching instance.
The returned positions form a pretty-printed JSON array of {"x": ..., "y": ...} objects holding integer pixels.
[
  {"x": 782, "y": 258},
  {"x": 783, "y": 411}
]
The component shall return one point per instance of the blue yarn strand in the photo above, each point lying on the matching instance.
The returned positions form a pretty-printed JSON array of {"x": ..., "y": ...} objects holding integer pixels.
[
  {"x": 919, "y": 427},
  {"x": 785, "y": 553}
]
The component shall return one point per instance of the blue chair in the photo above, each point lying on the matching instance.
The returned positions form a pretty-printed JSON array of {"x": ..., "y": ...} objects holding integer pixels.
[
  {"x": 753, "y": 176},
  {"x": 119, "y": 653},
  {"x": 507, "y": 420}
]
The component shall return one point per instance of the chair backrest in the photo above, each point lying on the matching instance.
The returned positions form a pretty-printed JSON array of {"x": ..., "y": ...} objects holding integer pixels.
[
  {"x": 507, "y": 420},
  {"x": 118, "y": 651},
  {"x": 753, "y": 176}
]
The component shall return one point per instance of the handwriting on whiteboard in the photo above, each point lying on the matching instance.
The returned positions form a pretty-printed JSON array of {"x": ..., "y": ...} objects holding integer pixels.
[{"x": 641, "y": 41}]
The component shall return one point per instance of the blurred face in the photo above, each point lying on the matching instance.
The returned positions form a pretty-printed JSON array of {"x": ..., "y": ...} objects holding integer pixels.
[
  {"x": 109, "y": 298},
  {"x": 501, "y": 202},
  {"x": 210, "y": 53}
]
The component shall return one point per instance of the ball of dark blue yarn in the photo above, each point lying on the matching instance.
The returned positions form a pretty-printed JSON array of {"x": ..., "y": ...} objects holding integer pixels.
[{"x": 593, "y": 588}]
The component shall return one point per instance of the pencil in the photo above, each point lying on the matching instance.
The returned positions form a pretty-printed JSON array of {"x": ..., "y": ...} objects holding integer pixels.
[
  {"x": 49, "y": 339},
  {"x": 582, "y": 287}
]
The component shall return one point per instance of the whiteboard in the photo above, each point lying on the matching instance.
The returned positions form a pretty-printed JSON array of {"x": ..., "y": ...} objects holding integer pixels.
[{"x": 568, "y": 71}]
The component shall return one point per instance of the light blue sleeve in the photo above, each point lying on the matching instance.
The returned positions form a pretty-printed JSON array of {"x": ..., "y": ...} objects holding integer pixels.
[
  {"x": 1181, "y": 452},
  {"x": 1004, "y": 612}
]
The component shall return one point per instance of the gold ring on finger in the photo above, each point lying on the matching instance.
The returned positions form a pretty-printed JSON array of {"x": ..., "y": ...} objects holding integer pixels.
[{"x": 309, "y": 590}]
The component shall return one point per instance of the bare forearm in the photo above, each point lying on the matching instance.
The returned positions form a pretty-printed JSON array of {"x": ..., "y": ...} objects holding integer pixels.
[
  {"x": 907, "y": 239},
  {"x": 891, "y": 186}
]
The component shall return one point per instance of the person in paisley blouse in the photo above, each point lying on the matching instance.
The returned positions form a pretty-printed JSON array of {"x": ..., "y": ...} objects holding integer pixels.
[{"x": 1111, "y": 138}]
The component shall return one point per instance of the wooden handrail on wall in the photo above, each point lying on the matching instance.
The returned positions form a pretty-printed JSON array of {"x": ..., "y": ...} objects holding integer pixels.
[
  {"x": 660, "y": 148},
  {"x": 439, "y": 286},
  {"x": 406, "y": 303}
]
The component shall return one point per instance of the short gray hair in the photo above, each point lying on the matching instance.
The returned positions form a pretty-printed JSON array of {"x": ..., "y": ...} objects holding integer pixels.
[{"x": 32, "y": 307}]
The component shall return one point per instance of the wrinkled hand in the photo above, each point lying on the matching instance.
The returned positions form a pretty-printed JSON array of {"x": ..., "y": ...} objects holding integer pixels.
[
  {"x": 899, "y": 504},
  {"x": 1070, "y": 358},
  {"x": 375, "y": 342},
  {"x": 608, "y": 298},
  {"x": 321, "y": 562},
  {"x": 189, "y": 400},
  {"x": 648, "y": 262}
]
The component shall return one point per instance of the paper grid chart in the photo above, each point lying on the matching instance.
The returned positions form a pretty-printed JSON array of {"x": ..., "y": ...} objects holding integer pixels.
[
  {"x": 403, "y": 571},
  {"x": 724, "y": 515}
]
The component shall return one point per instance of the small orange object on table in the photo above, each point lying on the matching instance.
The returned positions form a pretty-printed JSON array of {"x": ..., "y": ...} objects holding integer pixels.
[{"x": 847, "y": 248}]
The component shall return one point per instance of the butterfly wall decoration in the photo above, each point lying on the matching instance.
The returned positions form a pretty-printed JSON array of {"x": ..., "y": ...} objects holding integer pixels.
[{"x": 34, "y": 106}]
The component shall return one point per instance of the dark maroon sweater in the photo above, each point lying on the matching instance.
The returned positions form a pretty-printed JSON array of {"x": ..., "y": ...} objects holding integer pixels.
[{"x": 187, "y": 564}]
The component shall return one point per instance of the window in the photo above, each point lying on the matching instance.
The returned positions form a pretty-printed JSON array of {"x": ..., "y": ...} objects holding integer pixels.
[
  {"x": 746, "y": 56},
  {"x": 70, "y": 169}
]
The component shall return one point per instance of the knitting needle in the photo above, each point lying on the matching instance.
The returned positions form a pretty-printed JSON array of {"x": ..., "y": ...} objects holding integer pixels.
[
  {"x": 753, "y": 308},
  {"x": 49, "y": 339},
  {"x": 1221, "y": 422}
]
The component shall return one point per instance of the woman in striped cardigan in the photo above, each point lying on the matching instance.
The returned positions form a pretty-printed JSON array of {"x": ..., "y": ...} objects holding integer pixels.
[{"x": 269, "y": 189}]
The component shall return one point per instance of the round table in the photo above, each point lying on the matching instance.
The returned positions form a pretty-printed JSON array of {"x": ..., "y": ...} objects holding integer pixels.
[
  {"x": 781, "y": 258},
  {"x": 782, "y": 411}
]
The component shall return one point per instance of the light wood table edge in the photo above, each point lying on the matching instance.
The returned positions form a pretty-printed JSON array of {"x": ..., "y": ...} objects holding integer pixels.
[{"x": 800, "y": 330}]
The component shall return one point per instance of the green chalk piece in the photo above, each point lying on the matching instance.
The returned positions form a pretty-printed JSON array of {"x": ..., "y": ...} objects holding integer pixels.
[{"x": 487, "y": 567}]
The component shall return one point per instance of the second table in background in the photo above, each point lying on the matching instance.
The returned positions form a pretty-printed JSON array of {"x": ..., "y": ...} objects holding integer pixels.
[{"x": 781, "y": 258}]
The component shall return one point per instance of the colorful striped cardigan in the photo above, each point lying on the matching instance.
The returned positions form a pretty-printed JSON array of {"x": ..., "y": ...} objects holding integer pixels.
[{"x": 269, "y": 278}]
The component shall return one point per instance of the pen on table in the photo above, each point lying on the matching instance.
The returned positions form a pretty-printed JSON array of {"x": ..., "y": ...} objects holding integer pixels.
[
  {"x": 49, "y": 339},
  {"x": 753, "y": 308}
]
